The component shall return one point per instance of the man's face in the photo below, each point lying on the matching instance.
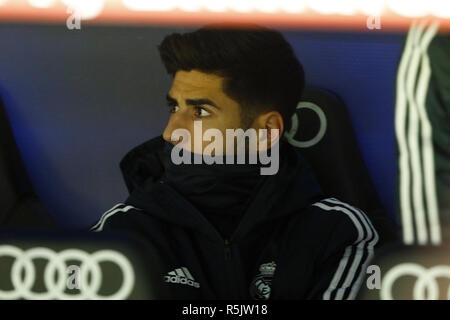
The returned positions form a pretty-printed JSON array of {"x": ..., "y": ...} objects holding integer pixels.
[{"x": 196, "y": 96}]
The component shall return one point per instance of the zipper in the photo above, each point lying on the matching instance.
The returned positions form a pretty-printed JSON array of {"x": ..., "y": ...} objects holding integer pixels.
[
  {"x": 227, "y": 244},
  {"x": 231, "y": 272},
  {"x": 227, "y": 250},
  {"x": 174, "y": 194}
]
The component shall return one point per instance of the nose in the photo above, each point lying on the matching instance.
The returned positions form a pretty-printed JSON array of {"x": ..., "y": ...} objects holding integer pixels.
[{"x": 172, "y": 125}]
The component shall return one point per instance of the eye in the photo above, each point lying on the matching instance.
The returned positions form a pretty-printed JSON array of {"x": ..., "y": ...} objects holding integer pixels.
[
  {"x": 173, "y": 108},
  {"x": 201, "y": 112}
]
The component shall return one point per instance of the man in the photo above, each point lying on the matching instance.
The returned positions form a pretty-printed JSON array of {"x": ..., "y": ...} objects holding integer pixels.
[{"x": 226, "y": 231}]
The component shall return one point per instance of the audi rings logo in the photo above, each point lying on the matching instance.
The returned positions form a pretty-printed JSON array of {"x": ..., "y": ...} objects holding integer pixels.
[
  {"x": 426, "y": 280},
  {"x": 293, "y": 131},
  {"x": 55, "y": 274}
]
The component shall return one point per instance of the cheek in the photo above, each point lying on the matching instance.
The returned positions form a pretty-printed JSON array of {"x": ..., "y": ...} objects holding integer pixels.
[{"x": 234, "y": 120}]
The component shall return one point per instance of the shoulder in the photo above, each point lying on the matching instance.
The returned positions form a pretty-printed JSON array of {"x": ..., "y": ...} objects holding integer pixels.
[
  {"x": 334, "y": 223},
  {"x": 118, "y": 216},
  {"x": 342, "y": 222},
  {"x": 345, "y": 248}
]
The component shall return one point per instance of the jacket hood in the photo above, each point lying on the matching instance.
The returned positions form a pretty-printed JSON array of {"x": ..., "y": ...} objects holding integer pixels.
[{"x": 289, "y": 191}]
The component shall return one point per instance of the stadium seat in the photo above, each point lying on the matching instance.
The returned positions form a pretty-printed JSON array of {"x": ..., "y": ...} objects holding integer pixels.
[
  {"x": 323, "y": 130},
  {"x": 63, "y": 265},
  {"x": 403, "y": 272},
  {"x": 20, "y": 207},
  {"x": 38, "y": 258}
]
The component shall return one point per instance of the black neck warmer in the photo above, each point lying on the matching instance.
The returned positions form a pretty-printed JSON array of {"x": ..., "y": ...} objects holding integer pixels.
[{"x": 221, "y": 192}]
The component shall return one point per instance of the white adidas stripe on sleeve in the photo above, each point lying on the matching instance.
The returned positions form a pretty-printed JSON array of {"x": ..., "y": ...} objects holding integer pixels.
[
  {"x": 367, "y": 238},
  {"x": 105, "y": 213},
  {"x": 120, "y": 207}
]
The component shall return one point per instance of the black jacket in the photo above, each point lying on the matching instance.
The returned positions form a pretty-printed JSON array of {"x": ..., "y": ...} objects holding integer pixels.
[{"x": 290, "y": 244}]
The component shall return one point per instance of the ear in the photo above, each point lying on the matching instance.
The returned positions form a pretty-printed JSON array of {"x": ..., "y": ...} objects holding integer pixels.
[{"x": 270, "y": 120}]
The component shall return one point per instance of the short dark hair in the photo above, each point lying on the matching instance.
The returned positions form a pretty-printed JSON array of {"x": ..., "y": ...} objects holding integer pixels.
[{"x": 259, "y": 67}]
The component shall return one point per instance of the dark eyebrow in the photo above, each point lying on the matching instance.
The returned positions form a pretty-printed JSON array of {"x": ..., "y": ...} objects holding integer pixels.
[
  {"x": 169, "y": 98},
  {"x": 194, "y": 102}
]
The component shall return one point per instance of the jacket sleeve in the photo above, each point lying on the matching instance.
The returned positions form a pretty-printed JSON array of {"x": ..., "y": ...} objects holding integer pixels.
[
  {"x": 114, "y": 218},
  {"x": 341, "y": 266}
]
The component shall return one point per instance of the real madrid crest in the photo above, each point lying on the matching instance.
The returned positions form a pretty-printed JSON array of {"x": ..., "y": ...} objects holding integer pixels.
[{"x": 261, "y": 285}]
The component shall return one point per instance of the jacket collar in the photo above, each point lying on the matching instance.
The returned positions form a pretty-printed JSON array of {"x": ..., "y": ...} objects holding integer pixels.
[{"x": 288, "y": 192}]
